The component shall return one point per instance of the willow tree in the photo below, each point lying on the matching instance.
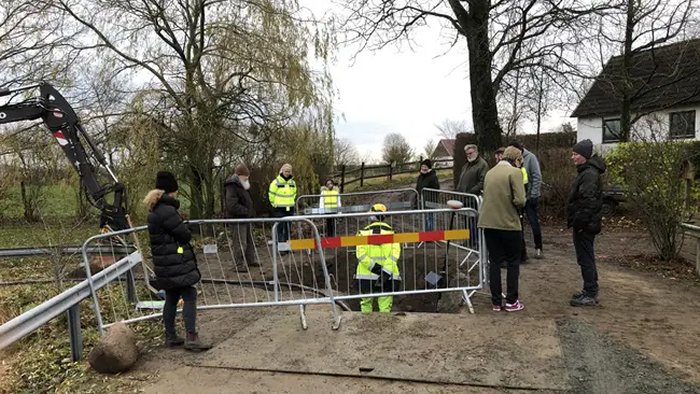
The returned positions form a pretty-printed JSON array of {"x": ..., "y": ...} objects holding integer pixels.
[{"x": 217, "y": 74}]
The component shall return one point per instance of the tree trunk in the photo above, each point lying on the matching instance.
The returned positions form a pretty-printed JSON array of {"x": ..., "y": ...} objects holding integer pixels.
[
  {"x": 626, "y": 99},
  {"x": 484, "y": 112},
  {"x": 196, "y": 195}
]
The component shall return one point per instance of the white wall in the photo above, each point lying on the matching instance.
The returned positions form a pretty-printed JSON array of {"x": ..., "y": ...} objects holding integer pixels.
[{"x": 592, "y": 127}]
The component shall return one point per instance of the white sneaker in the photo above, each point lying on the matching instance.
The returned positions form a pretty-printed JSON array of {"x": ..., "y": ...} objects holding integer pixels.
[{"x": 538, "y": 254}]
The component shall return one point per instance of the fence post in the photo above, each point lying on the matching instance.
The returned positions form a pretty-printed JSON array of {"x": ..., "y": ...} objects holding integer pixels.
[
  {"x": 342, "y": 178},
  {"x": 362, "y": 174},
  {"x": 391, "y": 168},
  {"x": 76, "y": 337},
  {"x": 130, "y": 286}
]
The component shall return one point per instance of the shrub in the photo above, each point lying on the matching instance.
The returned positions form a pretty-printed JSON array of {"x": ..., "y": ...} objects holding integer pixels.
[
  {"x": 558, "y": 171},
  {"x": 652, "y": 174}
]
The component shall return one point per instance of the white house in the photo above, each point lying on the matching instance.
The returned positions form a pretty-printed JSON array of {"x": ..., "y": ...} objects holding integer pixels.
[
  {"x": 665, "y": 95},
  {"x": 444, "y": 151}
]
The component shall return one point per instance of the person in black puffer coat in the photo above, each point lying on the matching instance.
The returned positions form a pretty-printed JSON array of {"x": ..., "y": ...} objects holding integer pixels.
[
  {"x": 583, "y": 207},
  {"x": 174, "y": 261},
  {"x": 427, "y": 178}
]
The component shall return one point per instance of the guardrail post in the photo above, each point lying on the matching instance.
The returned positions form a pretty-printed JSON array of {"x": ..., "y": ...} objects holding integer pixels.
[
  {"x": 76, "y": 336},
  {"x": 697, "y": 256},
  {"x": 362, "y": 174},
  {"x": 130, "y": 286}
]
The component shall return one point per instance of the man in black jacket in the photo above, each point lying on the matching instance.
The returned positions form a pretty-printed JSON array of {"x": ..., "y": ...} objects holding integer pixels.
[
  {"x": 239, "y": 205},
  {"x": 427, "y": 178},
  {"x": 584, "y": 206}
]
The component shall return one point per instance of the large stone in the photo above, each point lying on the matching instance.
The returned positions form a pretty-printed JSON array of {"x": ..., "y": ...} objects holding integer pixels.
[
  {"x": 450, "y": 302},
  {"x": 116, "y": 351}
]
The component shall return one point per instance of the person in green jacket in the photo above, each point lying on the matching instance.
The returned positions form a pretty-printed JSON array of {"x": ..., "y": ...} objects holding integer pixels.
[
  {"x": 504, "y": 196},
  {"x": 472, "y": 181}
]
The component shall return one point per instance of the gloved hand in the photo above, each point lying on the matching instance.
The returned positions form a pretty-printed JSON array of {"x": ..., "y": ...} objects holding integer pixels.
[{"x": 387, "y": 277}]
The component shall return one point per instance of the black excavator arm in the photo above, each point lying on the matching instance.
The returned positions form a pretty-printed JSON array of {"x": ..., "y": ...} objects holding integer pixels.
[{"x": 63, "y": 123}]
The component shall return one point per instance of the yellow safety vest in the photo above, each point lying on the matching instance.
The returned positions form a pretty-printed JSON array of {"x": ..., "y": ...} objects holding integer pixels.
[
  {"x": 387, "y": 255},
  {"x": 524, "y": 171},
  {"x": 282, "y": 193},
  {"x": 330, "y": 198}
]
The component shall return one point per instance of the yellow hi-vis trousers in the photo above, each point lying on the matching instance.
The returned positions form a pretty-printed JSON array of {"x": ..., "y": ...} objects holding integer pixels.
[{"x": 384, "y": 303}]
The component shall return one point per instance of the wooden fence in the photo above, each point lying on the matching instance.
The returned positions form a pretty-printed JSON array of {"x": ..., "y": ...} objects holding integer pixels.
[{"x": 350, "y": 174}]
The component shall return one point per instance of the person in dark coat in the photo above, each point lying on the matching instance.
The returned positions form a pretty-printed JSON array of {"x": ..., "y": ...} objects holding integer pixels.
[
  {"x": 427, "y": 178},
  {"x": 174, "y": 261},
  {"x": 584, "y": 216},
  {"x": 239, "y": 205}
]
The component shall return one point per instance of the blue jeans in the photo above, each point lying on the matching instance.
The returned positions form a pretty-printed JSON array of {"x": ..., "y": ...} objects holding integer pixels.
[
  {"x": 429, "y": 222},
  {"x": 532, "y": 217},
  {"x": 283, "y": 229}
]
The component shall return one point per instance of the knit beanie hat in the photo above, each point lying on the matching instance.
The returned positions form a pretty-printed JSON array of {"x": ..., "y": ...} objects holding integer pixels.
[
  {"x": 166, "y": 181},
  {"x": 427, "y": 163},
  {"x": 242, "y": 169},
  {"x": 584, "y": 148}
]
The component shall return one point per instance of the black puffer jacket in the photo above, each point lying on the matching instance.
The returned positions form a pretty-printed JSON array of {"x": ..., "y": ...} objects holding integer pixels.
[
  {"x": 238, "y": 201},
  {"x": 174, "y": 261},
  {"x": 585, "y": 199},
  {"x": 429, "y": 180}
]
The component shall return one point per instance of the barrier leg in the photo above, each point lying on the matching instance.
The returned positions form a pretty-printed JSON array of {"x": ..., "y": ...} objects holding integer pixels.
[
  {"x": 302, "y": 316},
  {"x": 468, "y": 301}
]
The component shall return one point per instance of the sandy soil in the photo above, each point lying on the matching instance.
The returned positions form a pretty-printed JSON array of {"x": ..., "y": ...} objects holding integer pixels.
[{"x": 643, "y": 337}]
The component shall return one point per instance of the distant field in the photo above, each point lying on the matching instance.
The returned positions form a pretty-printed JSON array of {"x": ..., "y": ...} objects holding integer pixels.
[{"x": 57, "y": 201}]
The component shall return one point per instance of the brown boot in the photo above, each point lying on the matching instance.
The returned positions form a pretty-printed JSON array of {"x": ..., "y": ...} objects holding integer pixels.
[{"x": 192, "y": 342}]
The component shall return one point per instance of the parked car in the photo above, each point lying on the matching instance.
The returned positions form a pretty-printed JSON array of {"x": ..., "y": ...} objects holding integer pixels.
[{"x": 613, "y": 195}]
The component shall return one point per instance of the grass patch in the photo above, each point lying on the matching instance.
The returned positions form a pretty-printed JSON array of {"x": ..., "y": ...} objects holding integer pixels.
[
  {"x": 398, "y": 181},
  {"x": 41, "y": 362}
]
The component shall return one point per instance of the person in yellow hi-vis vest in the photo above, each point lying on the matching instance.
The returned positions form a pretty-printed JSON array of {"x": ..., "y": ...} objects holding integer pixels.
[
  {"x": 282, "y": 195},
  {"x": 329, "y": 203},
  {"x": 377, "y": 265}
]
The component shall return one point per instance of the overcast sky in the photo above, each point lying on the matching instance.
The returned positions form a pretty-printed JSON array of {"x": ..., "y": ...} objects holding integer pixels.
[{"x": 406, "y": 90}]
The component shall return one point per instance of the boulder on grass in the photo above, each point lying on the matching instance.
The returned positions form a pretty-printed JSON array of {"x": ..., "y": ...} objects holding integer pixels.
[{"x": 116, "y": 351}]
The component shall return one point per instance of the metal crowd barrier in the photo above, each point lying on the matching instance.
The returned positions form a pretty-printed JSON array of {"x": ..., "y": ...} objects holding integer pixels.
[
  {"x": 394, "y": 199},
  {"x": 268, "y": 275},
  {"x": 437, "y": 198},
  {"x": 445, "y": 262}
]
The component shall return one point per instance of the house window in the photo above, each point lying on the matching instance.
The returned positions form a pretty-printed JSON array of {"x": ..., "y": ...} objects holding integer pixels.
[
  {"x": 682, "y": 124},
  {"x": 611, "y": 130}
]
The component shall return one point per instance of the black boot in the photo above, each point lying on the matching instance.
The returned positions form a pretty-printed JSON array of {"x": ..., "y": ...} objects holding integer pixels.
[
  {"x": 584, "y": 300},
  {"x": 172, "y": 340}
]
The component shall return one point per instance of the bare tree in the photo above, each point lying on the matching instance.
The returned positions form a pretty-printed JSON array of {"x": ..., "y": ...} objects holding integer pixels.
[
  {"x": 396, "y": 149},
  {"x": 345, "y": 152},
  {"x": 502, "y": 37},
  {"x": 647, "y": 26},
  {"x": 429, "y": 149},
  {"x": 448, "y": 129}
]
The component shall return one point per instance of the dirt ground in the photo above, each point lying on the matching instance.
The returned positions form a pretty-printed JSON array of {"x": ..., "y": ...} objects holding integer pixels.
[{"x": 644, "y": 337}]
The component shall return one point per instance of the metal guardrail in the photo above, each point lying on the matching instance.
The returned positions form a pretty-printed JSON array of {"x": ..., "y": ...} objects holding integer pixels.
[
  {"x": 694, "y": 231},
  {"x": 67, "y": 301},
  {"x": 49, "y": 250}
]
